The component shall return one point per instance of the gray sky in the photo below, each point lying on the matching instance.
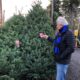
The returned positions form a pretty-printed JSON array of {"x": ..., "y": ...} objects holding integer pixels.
[{"x": 12, "y": 6}]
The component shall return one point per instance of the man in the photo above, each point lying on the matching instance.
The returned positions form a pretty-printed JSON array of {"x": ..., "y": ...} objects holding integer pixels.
[{"x": 64, "y": 45}]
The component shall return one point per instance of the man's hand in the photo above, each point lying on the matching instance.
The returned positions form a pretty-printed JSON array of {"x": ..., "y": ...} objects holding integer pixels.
[
  {"x": 43, "y": 36},
  {"x": 17, "y": 43}
]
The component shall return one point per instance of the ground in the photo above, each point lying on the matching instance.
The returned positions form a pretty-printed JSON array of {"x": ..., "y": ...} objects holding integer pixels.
[{"x": 74, "y": 68}]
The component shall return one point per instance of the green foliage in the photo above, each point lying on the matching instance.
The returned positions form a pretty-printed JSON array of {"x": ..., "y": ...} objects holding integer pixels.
[
  {"x": 56, "y": 5},
  {"x": 34, "y": 58},
  {"x": 5, "y": 77},
  {"x": 70, "y": 5},
  {"x": 56, "y": 12}
]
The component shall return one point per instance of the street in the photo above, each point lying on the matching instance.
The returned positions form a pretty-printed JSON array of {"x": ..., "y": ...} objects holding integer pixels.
[{"x": 74, "y": 68}]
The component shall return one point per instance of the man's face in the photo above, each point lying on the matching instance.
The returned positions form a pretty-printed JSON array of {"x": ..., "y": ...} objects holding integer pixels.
[{"x": 59, "y": 26}]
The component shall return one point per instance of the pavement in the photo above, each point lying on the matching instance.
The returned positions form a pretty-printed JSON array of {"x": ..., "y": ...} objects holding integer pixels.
[{"x": 74, "y": 67}]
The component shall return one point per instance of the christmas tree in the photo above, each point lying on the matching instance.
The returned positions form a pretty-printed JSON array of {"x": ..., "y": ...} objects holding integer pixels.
[{"x": 33, "y": 58}]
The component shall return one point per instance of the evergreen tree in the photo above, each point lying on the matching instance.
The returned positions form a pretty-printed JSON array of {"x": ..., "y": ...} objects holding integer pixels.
[
  {"x": 34, "y": 58},
  {"x": 38, "y": 55}
]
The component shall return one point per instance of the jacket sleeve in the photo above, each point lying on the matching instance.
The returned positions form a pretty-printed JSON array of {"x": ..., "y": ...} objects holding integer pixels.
[
  {"x": 50, "y": 39},
  {"x": 70, "y": 41}
]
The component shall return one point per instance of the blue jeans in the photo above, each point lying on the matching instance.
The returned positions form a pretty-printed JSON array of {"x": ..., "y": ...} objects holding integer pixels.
[{"x": 61, "y": 71}]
